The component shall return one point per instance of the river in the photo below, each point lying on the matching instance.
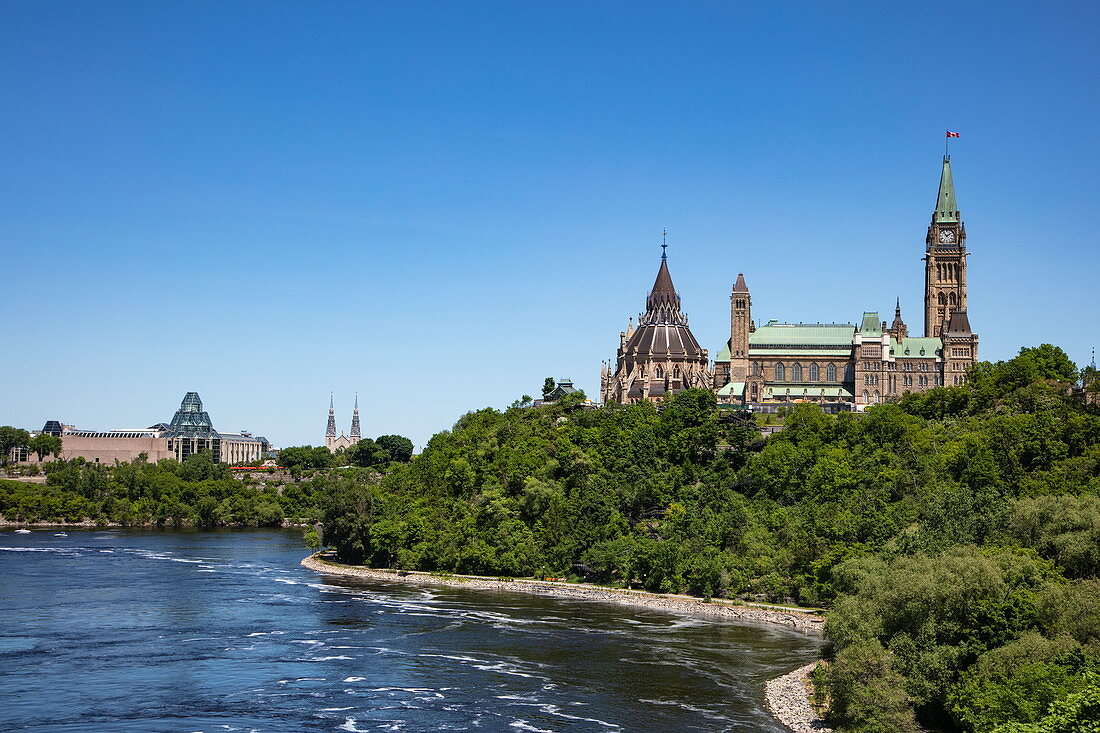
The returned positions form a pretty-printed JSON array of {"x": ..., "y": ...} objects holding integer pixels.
[{"x": 131, "y": 630}]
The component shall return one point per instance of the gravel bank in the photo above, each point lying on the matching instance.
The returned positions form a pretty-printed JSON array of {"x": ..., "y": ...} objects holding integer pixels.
[
  {"x": 788, "y": 700},
  {"x": 725, "y": 610}
]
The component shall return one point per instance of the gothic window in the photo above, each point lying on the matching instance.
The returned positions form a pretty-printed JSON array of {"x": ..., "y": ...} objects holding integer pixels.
[
  {"x": 660, "y": 372},
  {"x": 755, "y": 368},
  {"x": 814, "y": 374},
  {"x": 796, "y": 373},
  {"x": 830, "y": 373},
  {"x": 866, "y": 396},
  {"x": 874, "y": 397},
  {"x": 951, "y": 299},
  {"x": 780, "y": 373},
  {"x": 941, "y": 299},
  {"x": 676, "y": 372}
]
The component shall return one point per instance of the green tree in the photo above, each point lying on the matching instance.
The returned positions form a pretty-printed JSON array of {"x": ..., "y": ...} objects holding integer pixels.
[
  {"x": 548, "y": 386},
  {"x": 44, "y": 445},
  {"x": 398, "y": 447},
  {"x": 367, "y": 454},
  {"x": 10, "y": 439}
]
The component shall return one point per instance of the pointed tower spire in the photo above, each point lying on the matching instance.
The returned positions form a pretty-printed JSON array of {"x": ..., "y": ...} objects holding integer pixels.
[
  {"x": 947, "y": 209},
  {"x": 898, "y": 327},
  {"x": 740, "y": 286},
  {"x": 330, "y": 431},
  {"x": 355, "y": 418}
]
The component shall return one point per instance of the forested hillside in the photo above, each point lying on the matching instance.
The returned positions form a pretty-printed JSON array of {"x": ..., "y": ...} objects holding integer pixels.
[
  {"x": 955, "y": 534},
  {"x": 196, "y": 492}
]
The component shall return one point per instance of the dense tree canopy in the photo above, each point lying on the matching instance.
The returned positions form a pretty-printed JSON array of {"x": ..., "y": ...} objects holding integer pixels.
[
  {"x": 950, "y": 531},
  {"x": 196, "y": 492}
]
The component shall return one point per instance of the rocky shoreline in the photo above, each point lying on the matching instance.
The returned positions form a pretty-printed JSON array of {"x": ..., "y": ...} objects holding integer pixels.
[
  {"x": 806, "y": 622},
  {"x": 786, "y": 696},
  {"x": 788, "y": 699}
]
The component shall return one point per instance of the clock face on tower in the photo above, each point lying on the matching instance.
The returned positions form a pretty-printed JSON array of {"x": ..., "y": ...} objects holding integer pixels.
[{"x": 947, "y": 236}]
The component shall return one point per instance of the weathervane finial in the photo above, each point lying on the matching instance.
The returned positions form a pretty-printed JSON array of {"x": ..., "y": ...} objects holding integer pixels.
[{"x": 664, "y": 243}]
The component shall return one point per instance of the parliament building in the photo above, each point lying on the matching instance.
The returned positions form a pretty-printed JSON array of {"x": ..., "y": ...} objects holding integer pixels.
[{"x": 850, "y": 365}]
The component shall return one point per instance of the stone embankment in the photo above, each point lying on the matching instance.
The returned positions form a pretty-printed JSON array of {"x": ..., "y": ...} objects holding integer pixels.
[
  {"x": 788, "y": 698},
  {"x": 726, "y": 610}
]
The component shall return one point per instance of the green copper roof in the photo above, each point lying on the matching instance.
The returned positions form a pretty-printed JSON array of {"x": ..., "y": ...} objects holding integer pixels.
[
  {"x": 735, "y": 389},
  {"x": 947, "y": 209},
  {"x": 872, "y": 324},
  {"x": 927, "y": 348},
  {"x": 724, "y": 354},
  {"x": 775, "y": 335},
  {"x": 832, "y": 352}
]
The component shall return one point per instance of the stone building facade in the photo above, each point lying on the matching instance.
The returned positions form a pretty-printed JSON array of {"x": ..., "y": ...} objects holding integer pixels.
[
  {"x": 661, "y": 356},
  {"x": 865, "y": 363},
  {"x": 850, "y": 364}
]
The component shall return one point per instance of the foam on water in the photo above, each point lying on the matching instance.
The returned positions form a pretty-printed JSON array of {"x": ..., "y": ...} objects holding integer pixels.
[{"x": 183, "y": 606}]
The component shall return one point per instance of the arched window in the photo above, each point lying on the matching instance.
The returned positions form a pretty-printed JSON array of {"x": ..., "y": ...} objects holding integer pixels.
[
  {"x": 755, "y": 368},
  {"x": 796, "y": 373},
  {"x": 942, "y": 299},
  {"x": 866, "y": 396},
  {"x": 951, "y": 299},
  {"x": 830, "y": 373},
  {"x": 815, "y": 375},
  {"x": 660, "y": 372},
  {"x": 874, "y": 397},
  {"x": 780, "y": 373},
  {"x": 676, "y": 372}
]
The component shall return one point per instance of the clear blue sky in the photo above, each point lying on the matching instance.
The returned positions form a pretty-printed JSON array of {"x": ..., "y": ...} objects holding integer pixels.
[{"x": 437, "y": 204}]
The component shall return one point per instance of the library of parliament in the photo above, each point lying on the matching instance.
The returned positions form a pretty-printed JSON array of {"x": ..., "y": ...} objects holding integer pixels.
[{"x": 849, "y": 365}]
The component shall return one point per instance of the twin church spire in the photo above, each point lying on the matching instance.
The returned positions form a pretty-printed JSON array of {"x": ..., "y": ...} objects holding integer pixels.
[{"x": 331, "y": 437}]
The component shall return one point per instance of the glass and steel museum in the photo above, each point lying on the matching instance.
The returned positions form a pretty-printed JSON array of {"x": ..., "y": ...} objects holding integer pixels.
[{"x": 190, "y": 431}]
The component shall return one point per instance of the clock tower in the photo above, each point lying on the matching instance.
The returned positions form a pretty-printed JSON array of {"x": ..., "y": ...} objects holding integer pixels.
[{"x": 944, "y": 259}]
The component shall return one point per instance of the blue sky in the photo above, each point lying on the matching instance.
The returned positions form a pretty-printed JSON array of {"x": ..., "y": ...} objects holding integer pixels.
[{"x": 438, "y": 204}]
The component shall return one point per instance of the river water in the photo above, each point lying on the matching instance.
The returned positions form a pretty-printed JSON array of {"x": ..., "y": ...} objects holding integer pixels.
[{"x": 118, "y": 630}]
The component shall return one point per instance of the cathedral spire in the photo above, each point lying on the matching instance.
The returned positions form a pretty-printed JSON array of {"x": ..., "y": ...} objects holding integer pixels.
[
  {"x": 947, "y": 209},
  {"x": 330, "y": 431},
  {"x": 355, "y": 418}
]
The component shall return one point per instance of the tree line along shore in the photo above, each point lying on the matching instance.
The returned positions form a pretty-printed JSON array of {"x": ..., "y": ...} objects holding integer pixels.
[{"x": 953, "y": 535}]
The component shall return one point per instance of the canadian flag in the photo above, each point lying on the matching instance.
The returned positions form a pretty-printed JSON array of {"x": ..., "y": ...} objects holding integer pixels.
[{"x": 952, "y": 134}]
